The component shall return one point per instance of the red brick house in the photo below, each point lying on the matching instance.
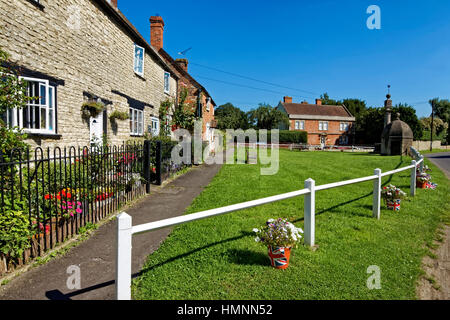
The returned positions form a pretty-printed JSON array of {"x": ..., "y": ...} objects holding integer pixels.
[
  {"x": 198, "y": 96},
  {"x": 326, "y": 125}
]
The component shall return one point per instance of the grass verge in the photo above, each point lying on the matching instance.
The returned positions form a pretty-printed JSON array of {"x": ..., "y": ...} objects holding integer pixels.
[{"x": 217, "y": 258}]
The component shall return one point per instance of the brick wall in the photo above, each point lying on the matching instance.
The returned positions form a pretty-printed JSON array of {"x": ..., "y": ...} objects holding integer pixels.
[
  {"x": 97, "y": 58},
  {"x": 312, "y": 128}
]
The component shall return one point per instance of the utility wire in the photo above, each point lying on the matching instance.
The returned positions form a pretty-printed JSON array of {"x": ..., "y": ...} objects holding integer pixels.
[
  {"x": 253, "y": 79},
  {"x": 244, "y": 86}
]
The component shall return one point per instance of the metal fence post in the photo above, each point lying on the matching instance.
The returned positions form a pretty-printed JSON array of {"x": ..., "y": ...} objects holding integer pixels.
[
  {"x": 123, "y": 259},
  {"x": 422, "y": 163},
  {"x": 147, "y": 177},
  {"x": 158, "y": 163},
  {"x": 376, "y": 194},
  {"x": 412, "y": 186},
  {"x": 309, "y": 213}
]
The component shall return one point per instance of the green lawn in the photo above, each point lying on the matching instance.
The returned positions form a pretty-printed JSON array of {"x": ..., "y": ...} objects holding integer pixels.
[{"x": 217, "y": 258}]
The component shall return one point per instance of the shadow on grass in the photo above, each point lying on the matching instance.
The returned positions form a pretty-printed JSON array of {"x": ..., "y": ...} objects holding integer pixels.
[
  {"x": 58, "y": 295},
  {"x": 248, "y": 257}
]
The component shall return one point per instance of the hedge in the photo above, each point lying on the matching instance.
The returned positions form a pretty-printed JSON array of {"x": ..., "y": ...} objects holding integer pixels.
[{"x": 286, "y": 136}]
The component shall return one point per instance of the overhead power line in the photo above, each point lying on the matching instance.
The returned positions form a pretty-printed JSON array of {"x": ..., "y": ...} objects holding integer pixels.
[
  {"x": 244, "y": 86},
  {"x": 253, "y": 79}
]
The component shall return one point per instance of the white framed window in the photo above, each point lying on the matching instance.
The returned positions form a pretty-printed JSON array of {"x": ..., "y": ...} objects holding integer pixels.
[
  {"x": 300, "y": 125},
  {"x": 139, "y": 60},
  {"x": 136, "y": 122},
  {"x": 323, "y": 125},
  {"x": 39, "y": 113},
  {"x": 344, "y": 126},
  {"x": 155, "y": 126},
  {"x": 166, "y": 82}
]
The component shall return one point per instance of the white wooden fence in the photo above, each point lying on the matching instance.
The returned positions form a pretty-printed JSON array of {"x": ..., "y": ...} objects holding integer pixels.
[{"x": 125, "y": 229}]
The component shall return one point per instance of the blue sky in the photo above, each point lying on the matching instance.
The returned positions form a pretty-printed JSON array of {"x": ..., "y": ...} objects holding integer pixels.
[{"x": 310, "y": 47}]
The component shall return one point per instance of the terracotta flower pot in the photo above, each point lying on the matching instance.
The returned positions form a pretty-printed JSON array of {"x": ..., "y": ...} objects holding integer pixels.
[
  {"x": 393, "y": 204},
  {"x": 421, "y": 184},
  {"x": 279, "y": 257}
]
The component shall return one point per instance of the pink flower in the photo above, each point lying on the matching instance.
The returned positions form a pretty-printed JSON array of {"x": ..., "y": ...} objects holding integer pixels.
[{"x": 79, "y": 210}]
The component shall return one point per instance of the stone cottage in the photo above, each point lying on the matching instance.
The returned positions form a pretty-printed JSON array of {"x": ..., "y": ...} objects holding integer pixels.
[
  {"x": 198, "y": 96},
  {"x": 325, "y": 124},
  {"x": 77, "y": 51}
]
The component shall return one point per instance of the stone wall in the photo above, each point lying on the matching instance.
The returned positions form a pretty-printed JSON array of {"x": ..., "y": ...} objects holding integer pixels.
[
  {"x": 88, "y": 50},
  {"x": 425, "y": 145}
]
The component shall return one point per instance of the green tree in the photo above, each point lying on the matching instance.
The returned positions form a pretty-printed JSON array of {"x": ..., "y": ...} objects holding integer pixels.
[
  {"x": 230, "y": 117},
  {"x": 267, "y": 117},
  {"x": 327, "y": 101},
  {"x": 408, "y": 115},
  {"x": 12, "y": 96},
  {"x": 184, "y": 116},
  {"x": 442, "y": 111}
]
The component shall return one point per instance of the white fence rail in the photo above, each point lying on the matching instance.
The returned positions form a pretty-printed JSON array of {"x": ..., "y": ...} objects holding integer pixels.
[{"x": 125, "y": 230}]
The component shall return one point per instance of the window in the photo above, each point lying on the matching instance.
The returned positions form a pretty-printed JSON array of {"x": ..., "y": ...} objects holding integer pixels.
[
  {"x": 139, "y": 60},
  {"x": 299, "y": 125},
  {"x": 38, "y": 116},
  {"x": 343, "y": 126},
  {"x": 155, "y": 126},
  {"x": 323, "y": 125},
  {"x": 208, "y": 104},
  {"x": 343, "y": 140},
  {"x": 136, "y": 122},
  {"x": 166, "y": 82}
]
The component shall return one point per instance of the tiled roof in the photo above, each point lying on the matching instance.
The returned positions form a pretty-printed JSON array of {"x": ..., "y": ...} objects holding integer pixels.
[
  {"x": 316, "y": 110},
  {"x": 175, "y": 65}
]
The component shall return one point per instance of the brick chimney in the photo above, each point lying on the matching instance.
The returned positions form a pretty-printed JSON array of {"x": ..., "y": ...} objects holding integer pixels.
[
  {"x": 156, "y": 32},
  {"x": 287, "y": 100},
  {"x": 113, "y": 3},
  {"x": 183, "y": 63},
  {"x": 319, "y": 102}
]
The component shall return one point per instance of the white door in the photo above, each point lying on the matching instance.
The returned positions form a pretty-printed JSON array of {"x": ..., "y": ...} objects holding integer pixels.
[
  {"x": 96, "y": 129},
  {"x": 323, "y": 140}
]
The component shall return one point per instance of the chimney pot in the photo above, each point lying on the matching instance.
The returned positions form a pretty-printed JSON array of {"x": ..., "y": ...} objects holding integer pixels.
[
  {"x": 113, "y": 3},
  {"x": 287, "y": 99},
  {"x": 305, "y": 102},
  {"x": 156, "y": 32},
  {"x": 183, "y": 63},
  {"x": 319, "y": 102}
]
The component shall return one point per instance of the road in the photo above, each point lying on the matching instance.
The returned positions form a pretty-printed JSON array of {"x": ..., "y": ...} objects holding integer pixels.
[{"x": 442, "y": 160}]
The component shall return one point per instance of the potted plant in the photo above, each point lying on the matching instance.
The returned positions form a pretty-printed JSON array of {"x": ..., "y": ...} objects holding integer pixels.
[
  {"x": 422, "y": 179},
  {"x": 119, "y": 115},
  {"x": 392, "y": 196},
  {"x": 92, "y": 109},
  {"x": 279, "y": 236}
]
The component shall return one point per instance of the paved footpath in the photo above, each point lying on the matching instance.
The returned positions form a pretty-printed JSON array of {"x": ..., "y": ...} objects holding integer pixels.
[
  {"x": 96, "y": 256},
  {"x": 438, "y": 269}
]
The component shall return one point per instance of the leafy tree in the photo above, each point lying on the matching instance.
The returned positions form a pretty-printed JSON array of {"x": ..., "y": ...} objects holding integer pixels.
[
  {"x": 370, "y": 126},
  {"x": 230, "y": 117},
  {"x": 267, "y": 117},
  {"x": 439, "y": 126},
  {"x": 184, "y": 116},
  {"x": 327, "y": 101},
  {"x": 442, "y": 110},
  {"x": 12, "y": 96},
  {"x": 408, "y": 115}
]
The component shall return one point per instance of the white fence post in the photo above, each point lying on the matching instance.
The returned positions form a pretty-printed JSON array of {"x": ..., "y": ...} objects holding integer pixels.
[
  {"x": 422, "y": 163},
  {"x": 376, "y": 194},
  {"x": 310, "y": 215},
  {"x": 412, "y": 186},
  {"x": 123, "y": 262}
]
